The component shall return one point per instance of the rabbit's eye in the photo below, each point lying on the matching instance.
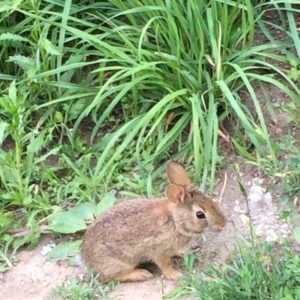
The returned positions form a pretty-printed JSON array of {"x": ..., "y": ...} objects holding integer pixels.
[{"x": 200, "y": 214}]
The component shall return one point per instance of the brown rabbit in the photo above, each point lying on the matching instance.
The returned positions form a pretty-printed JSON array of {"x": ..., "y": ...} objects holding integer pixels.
[{"x": 142, "y": 230}]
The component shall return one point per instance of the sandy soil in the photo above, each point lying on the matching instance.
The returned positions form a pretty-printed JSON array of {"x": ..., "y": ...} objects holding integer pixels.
[{"x": 34, "y": 276}]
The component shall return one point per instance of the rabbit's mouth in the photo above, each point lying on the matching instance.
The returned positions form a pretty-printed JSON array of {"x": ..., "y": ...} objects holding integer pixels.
[
  {"x": 218, "y": 227},
  {"x": 191, "y": 230}
]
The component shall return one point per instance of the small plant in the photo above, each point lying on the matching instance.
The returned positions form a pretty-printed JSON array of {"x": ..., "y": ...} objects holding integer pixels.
[
  {"x": 259, "y": 271},
  {"x": 5, "y": 256},
  {"x": 288, "y": 172},
  {"x": 291, "y": 182},
  {"x": 89, "y": 289},
  {"x": 189, "y": 261}
]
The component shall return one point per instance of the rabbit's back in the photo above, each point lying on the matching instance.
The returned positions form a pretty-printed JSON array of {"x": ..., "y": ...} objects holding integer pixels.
[{"x": 133, "y": 231}]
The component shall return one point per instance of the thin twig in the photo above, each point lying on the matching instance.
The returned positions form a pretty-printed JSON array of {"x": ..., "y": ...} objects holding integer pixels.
[
  {"x": 223, "y": 188},
  {"x": 223, "y": 136},
  {"x": 23, "y": 231}
]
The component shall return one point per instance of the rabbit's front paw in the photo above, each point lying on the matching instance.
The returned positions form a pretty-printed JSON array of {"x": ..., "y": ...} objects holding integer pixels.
[{"x": 172, "y": 274}]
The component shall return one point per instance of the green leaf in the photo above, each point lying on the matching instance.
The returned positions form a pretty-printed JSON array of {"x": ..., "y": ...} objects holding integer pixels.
[
  {"x": 42, "y": 158},
  {"x": 242, "y": 150},
  {"x": 58, "y": 117},
  {"x": 12, "y": 92},
  {"x": 288, "y": 297},
  {"x": 49, "y": 47},
  {"x": 108, "y": 200},
  {"x": 84, "y": 210},
  {"x": 76, "y": 108},
  {"x": 3, "y": 126},
  {"x": 12, "y": 37},
  {"x": 65, "y": 250},
  {"x": 294, "y": 74},
  {"x": 294, "y": 28},
  {"x": 10, "y": 5},
  {"x": 73, "y": 220},
  {"x": 3, "y": 267},
  {"x": 297, "y": 234},
  {"x": 24, "y": 62},
  {"x": 31, "y": 239},
  {"x": 66, "y": 222},
  {"x": 5, "y": 220}
]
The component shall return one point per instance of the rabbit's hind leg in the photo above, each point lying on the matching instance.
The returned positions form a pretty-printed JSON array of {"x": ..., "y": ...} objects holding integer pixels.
[
  {"x": 114, "y": 269},
  {"x": 136, "y": 274}
]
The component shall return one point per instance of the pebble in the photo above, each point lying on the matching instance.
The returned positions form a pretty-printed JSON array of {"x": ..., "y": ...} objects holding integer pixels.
[
  {"x": 236, "y": 209},
  {"x": 271, "y": 236},
  {"x": 259, "y": 229},
  {"x": 47, "y": 248}
]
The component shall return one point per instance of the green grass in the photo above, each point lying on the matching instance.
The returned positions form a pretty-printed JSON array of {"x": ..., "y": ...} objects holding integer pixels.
[
  {"x": 98, "y": 95},
  {"x": 260, "y": 271},
  {"x": 289, "y": 171},
  {"x": 89, "y": 289}
]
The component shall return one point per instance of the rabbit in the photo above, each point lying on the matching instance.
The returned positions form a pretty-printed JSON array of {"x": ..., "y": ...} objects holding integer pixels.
[{"x": 142, "y": 230}]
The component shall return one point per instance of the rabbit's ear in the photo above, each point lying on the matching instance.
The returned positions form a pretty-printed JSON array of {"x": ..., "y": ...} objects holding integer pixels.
[
  {"x": 175, "y": 193},
  {"x": 177, "y": 174}
]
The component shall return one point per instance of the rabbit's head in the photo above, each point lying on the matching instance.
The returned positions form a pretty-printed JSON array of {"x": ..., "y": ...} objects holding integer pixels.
[{"x": 191, "y": 209}]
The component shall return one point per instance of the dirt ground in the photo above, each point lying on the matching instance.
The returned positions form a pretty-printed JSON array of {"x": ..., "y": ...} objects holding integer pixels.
[{"x": 35, "y": 276}]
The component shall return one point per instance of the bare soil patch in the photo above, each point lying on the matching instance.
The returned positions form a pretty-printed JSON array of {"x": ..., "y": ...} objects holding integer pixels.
[{"x": 34, "y": 276}]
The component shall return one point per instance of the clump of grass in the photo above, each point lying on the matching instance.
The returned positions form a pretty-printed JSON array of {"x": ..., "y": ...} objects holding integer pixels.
[
  {"x": 291, "y": 177},
  {"x": 256, "y": 272},
  {"x": 90, "y": 289}
]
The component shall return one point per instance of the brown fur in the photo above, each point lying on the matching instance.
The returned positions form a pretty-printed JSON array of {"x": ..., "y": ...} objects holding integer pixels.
[{"x": 142, "y": 230}]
